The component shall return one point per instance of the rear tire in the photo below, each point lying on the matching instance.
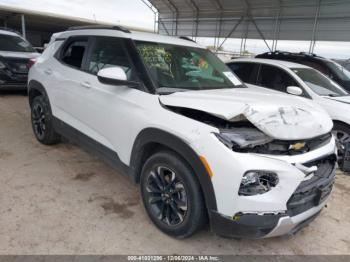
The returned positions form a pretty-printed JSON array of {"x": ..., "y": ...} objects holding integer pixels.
[
  {"x": 172, "y": 195},
  {"x": 42, "y": 122}
]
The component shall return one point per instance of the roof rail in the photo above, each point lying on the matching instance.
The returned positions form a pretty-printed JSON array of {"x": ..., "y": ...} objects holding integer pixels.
[
  {"x": 10, "y": 30},
  {"x": 187, "y": 38},
  {"x": 310, "y": 54},
  {"x": 100, "y": 27}
]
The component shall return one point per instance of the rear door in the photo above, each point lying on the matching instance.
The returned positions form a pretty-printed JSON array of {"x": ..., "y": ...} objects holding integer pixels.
[{"x": 68, "y": 81}]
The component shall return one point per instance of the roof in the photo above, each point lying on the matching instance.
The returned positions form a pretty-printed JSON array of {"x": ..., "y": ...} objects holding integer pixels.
[
  {"x": 46, "y": 21},
  {"x": 272, "y": 19},
  {"x": 269, "y": 62},
  {"x": 135, "y": 35}
]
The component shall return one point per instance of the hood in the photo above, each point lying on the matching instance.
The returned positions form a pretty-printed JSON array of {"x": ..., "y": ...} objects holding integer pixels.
[
  {"x": 26, "y": 55},
  {"x": 279, "y": 116},
  {"x": 342, "y": 99}
]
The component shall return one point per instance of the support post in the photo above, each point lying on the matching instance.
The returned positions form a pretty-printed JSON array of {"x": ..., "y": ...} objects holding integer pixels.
[
  {"x": 315, "y": 27},
  {"x": 23, "y": 26},
  {"x": 276, "y": 30},
  {"x": 231, "y": 32},
  {"x": 156, "y": 15}
]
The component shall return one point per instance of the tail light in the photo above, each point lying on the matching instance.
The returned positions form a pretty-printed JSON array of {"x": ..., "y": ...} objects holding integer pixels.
[{"x": 31, "y": 62}]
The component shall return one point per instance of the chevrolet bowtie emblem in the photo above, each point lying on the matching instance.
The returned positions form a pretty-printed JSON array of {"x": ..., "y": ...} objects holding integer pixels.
[{"x": 297, "y": 146}]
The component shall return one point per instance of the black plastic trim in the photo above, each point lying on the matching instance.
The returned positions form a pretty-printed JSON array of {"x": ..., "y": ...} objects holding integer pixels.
[
  {"x": 116, "y": 82},
  {"x": 99, "y": 27},
  {"x": 90, "y": 145},
  {"x": 245, "y": 225},
  {"x": 157, "y": 136},
  {"x": 13, "y": 86},
  {"x": 36, "y": 86}
]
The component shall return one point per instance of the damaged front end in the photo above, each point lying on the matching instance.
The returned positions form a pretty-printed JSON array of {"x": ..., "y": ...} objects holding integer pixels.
[
  {"x": 240, "y": 135},
  {"x": 280, "y": 170},
  {"x": 252, "y": 140}
]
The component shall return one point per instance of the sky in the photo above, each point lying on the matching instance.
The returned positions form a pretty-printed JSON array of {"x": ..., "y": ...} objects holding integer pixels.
[{"x": 136, "y": 13}]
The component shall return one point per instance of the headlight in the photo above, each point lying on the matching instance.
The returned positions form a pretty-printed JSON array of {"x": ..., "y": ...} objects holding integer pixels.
[
  {"x": 2, "y": 65},
  {"x": 257, "y": 182},
  {"x": 243, "y": 138}
]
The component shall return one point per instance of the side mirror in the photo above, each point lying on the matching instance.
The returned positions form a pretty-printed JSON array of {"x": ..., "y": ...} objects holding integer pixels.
[
  {"x": 115, "y": 76},
  {"x": 294, "y": 90}
]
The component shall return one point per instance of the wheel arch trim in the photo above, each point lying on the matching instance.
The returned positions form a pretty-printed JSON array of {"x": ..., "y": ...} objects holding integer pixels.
[
  {"x": 163, "y": 138},
  {"x": 34, "y": 85}
]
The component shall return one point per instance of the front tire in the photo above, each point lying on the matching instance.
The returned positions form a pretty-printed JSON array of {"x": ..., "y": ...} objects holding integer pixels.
[
  {"x": 341, "y": 133},
  {"x": 172, "y": 196},
  {"x": 42, "y": 122}
]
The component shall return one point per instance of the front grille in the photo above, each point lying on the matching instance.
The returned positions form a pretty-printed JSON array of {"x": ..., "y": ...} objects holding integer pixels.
[
  {"x": 280, "y": 147},
  {"x": 314, "y": 191}
]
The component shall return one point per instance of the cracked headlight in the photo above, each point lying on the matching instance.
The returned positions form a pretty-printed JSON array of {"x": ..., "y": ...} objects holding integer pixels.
[
  {"x": 243, "y": 138},
  {"x": 257, "y": 182}
]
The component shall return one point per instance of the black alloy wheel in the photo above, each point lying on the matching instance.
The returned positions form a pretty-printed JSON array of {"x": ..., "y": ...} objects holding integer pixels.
[
  {"x": 172, "y": 195},
  {"x": 38, "y": 120},
  {"x": 42, "y": 121},
  {"x": 167, "y": 195}
]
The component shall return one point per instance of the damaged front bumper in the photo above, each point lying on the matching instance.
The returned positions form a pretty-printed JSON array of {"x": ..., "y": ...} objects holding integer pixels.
[
  {"x": 261, "y": 226},
  {"x": 303, "y": 207}
]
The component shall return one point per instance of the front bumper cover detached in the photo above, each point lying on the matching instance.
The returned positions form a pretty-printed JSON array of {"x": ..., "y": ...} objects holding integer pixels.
[{"x": 303, "y": 207}]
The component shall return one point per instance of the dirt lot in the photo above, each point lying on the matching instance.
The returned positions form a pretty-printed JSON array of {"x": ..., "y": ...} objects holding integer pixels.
[{"x": 61, "y": 200}]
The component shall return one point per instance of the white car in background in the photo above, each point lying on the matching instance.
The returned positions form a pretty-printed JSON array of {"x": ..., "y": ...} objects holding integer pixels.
[{"x": 304, "y": 81}]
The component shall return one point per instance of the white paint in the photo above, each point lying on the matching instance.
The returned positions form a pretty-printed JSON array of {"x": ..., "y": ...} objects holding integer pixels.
[
  {"x": 338, "y": 108},
  {"x": 277, "y": 115},
  {"x": 115, "y": 73},
  {"x": 115, "y": 115}
]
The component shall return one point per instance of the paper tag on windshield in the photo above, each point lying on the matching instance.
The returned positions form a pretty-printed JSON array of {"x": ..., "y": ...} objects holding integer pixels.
[{"x": 233, "y": 78}]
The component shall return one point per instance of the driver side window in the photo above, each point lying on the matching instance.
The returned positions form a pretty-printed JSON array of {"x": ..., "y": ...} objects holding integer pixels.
[{"x": 109, "y": 52}]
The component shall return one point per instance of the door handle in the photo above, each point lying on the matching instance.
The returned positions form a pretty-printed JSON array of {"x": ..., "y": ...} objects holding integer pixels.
[
  {"x": 48, "y": 71},
  {"x": 85, "y": 84}
]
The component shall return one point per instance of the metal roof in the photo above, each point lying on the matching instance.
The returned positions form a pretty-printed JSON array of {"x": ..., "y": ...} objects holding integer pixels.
[
  {"x": 45, "y": 21},
  {"x": 312, "y": 20}
]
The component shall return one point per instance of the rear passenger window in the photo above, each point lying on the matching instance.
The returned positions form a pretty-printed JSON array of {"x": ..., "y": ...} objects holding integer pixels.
[
  {"x": 73, "y": 54},
  {"x": 275, "y": 78},
  {"x": 109, "y": 52},
  {"x": 247, "y": 72},
  {"x": 318, "y": 67}
]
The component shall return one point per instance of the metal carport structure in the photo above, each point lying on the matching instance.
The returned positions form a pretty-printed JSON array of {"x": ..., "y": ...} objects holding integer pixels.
[{"x": 308, "y": 20}]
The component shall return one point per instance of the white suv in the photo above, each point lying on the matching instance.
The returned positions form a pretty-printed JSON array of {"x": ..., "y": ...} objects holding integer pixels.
[{"x": 172, "y": 116}]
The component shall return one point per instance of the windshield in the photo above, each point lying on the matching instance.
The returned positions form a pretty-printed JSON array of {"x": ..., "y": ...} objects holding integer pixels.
[
  {"x": 14, "y": 44},
  {"x": 180, "y": 68},
  {"x": 320, "y": 84},
  {"x": 339, "y": 70}
]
